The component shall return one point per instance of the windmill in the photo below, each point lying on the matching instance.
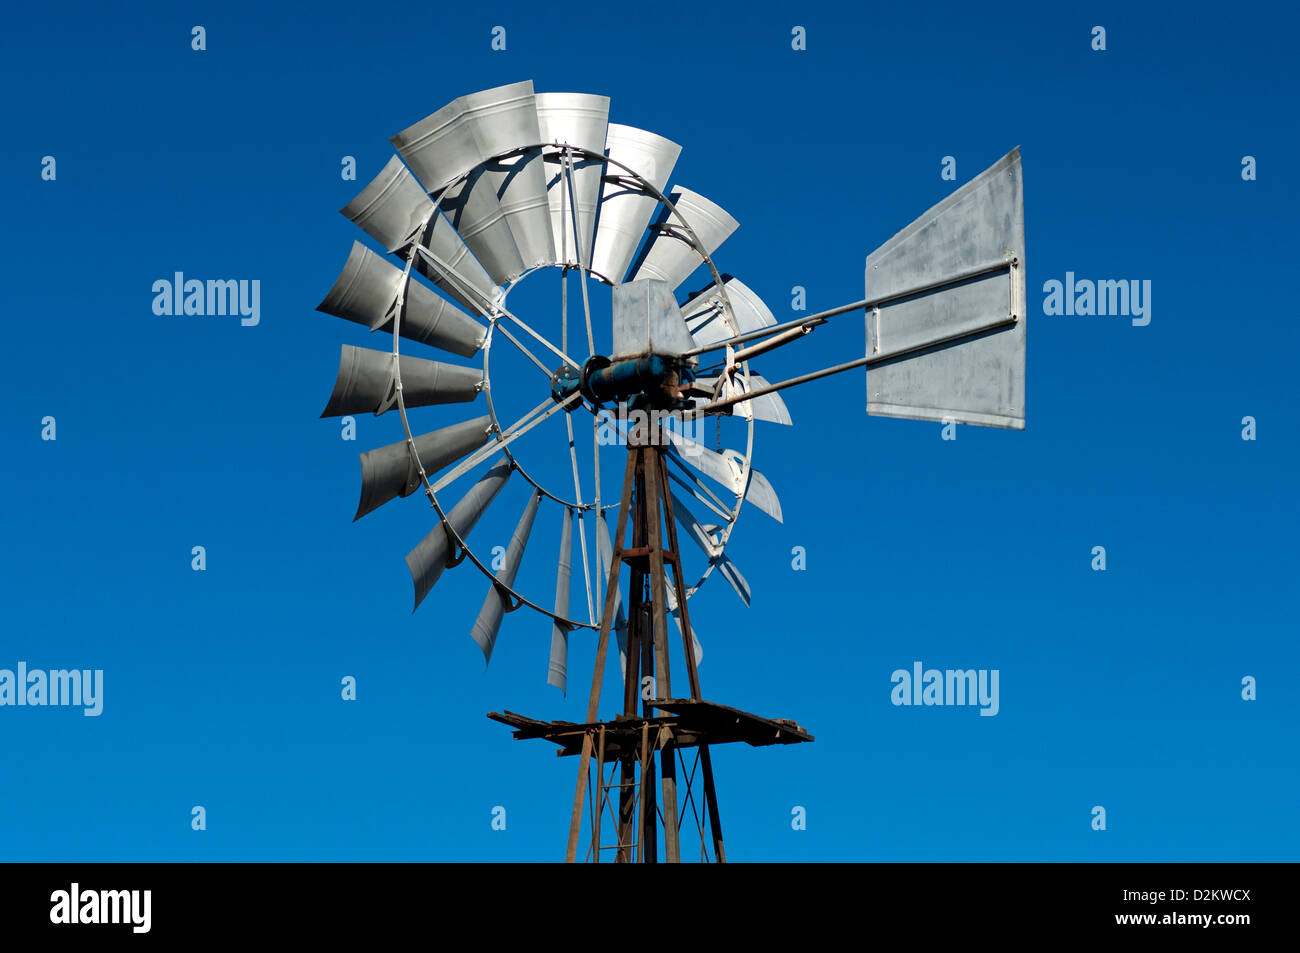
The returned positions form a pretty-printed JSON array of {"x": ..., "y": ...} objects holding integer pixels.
[{"x": 505, "y": 184}]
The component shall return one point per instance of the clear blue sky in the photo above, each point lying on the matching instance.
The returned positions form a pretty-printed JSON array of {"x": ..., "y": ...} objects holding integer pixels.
[{"x": 1119, "y": 688}]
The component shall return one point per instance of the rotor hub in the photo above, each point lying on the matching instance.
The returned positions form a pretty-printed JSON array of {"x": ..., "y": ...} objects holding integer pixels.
[{"x": 652, "y": 381}]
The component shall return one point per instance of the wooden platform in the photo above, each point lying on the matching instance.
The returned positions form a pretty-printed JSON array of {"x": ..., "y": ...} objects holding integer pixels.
[{"x": 691, "y": 721}]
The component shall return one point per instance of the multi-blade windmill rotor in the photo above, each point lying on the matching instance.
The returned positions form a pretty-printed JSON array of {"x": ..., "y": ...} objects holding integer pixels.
[{"x": 503, "y": 184}]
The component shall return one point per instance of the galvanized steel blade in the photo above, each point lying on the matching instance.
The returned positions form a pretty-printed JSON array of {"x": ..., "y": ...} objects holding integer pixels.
[
  {"x": 733, "y": 576},
  {"x": 367, "y": 289},
  {"x": 729, "y": 473},
  {"x": 557, "y": 670},
  {"x": 488, "y": 624},
  {"x": 698, "y": 489},
  {"x": 582, "y": 120},
  {"x": 669, "y": 254},
  {"x": 365, "y": 383},
  {"x": 726, "y": 468},
  {"x": 710, "y": 322},
  {"x": 761, "y": 494},
  {"x": 472, "y": 285},
  {"x": 605, "y": 556},
  {"x": 481, "y": 137},
  {"x": 391, "y": 207},
  {"x": 769, "y": 407},
  {"x": 703, "y": 538},
  {"x": 711, "y": 548},
  {"x": 946, "y": 298},
  {"x": 676, "y": 613},
  {"x": 520, "y": 182},
  {"x": 467, "y": 132},
  {"x": 625, "y": 209},
  {"x": 721, "y": 468},
  {"x": 389, "y": 472},
  {"x": 429, "y": 558},
  {"x": 475, "y": 212},
  {"x": 444, "y": 276}
]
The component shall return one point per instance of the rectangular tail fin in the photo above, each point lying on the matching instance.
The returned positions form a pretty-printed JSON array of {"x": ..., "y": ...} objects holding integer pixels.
[{"x": 946, "y": 308}]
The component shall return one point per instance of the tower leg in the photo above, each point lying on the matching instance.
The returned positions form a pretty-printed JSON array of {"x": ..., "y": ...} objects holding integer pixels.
[
  {"x": 711, "y": 804},
  {"x": 650, "y": 825},
  {"x": 638, "y": 633},
  {"x": 655, "y": 495},
  {"x": 653, "y": 552},
  {"x": 692, "y": 672}
]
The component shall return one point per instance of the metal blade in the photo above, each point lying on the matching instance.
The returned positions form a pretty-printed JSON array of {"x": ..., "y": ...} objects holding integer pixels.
[
  {"x": 578, "y": 119},
  {"x": 488, "y": 624},
  {"x": 760, "y": 493},
  {"x": 390, "y": 472},
  {"x": 625, "y": 210},
  {"x": 557, "y": 671},
  {"x": 733, "y": 576},
  {"x": 445, "y": 243},
  {"x": 365, "y": 383},
  {"x": 366, "y": 291},
  {"x": 708, "y": 544},
  {"x": 467, "y": 136},
  {"x": 770, "y": 407},
  {"x": 726, "y": 468},
  {"x": 467, "y": 132},
  {"x": 427, "y": 560},
  {"x": 475, "y": 212},
  {"x": 391, "y": 207},
  {"x": 709, "y": 324},
  {"x": 668, "y": 255},
  {"x": 605, "y": 556},
  {"x": 677, "y": 617},
  {"x": 955, "y": 315},
  {"x": 520, "y": 183},
  {"x": 703, "y": 538}
]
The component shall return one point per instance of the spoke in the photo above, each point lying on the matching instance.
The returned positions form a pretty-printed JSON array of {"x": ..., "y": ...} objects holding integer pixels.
[
  {"x": 717, "y": 508},
  {"x": 538, "y": 338},
  {"x": 681, "y": 465},
  {"x": 564, "y": 257},
  {"x": 571, "y": 201},
  {"x": 564, "y": 310},
  {"x": 581, "y": 523},
  {"x": 577, "y": 244},
  {"x": 527, "y": 353},
  {"x": 499, "y": 309},
  {"x": 573, "y": 450},
  {"x": 595, "y": 456},
  {"x": 560, "y": 352},
  {"x": 504, "y": 438},
  {"x": 453, "y": 277}
]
